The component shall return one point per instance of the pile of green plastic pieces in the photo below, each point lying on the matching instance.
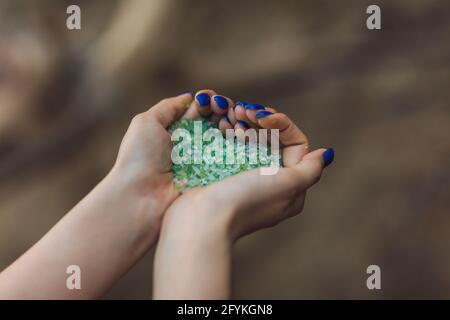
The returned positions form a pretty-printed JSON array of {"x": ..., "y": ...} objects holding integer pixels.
[{"x": 189, "y": 174}]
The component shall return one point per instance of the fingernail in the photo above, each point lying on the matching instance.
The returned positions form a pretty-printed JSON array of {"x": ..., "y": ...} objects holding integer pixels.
[
  {"x": 254, "y": 106},
  {"x": 222, "y": 103},
  {"x": 203, "y": 99},
  {"x": 262, "y": 114},
  {"x": 226, "y": 118},
  {"x": 328, "y": 157},
  {"x": 241, "y": 103},
  {"x": 243, "y": 123}
]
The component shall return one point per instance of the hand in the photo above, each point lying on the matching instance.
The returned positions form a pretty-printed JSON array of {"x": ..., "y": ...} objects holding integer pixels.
[
  {"x": 113, "y": 226},
  {"x": 144, "y": 159},
  {"x": 252, "y": 201},
  {"x": 203, "y": 222}
]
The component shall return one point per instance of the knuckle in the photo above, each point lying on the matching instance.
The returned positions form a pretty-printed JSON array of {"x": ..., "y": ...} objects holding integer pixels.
[
  {"x": 316, "y": 172},
  {"x": 140, "y": 118},
  {"x": 166, "y": 101},
  {"x": 310, "y": 173}
]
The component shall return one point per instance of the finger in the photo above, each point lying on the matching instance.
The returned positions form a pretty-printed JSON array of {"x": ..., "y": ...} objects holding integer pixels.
[
  {"x": 290, "y": 134},
  {"x": 169, "y": 110},
  {"x": 232, "y": 116},
  {"x": 240, "y": 124},
  {"x": 327, "y": 157},
  {"x": 294, "y": 142},
  {"x": 191, "y": 112},
  {"x": 241, "y": 115},
  {"x": 311, "y": 167},
  {"x": 232, "y": 112},
  {"x": 220, "y": 104},
  {"x": 250, "y": 112},
  {"x": 201, "y": 105},
  {"x": 243, "y": 130},
  {"x": 225, "y": 124}
]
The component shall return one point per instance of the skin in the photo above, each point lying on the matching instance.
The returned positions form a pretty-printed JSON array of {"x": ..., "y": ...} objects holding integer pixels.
[
  {"x": 136, "y": 203},
  {"x": 193, "y": 256},
  {"x": 113, "y": 226}
]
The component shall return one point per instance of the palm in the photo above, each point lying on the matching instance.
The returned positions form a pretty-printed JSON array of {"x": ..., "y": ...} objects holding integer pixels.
[{"x": 260, "y": 200}]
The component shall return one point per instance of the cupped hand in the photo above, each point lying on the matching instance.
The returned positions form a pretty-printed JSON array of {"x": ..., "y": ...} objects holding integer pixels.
[
  {"x": 249, "y": 201},
  {"x": 144, "y": 158},
  {"x": 193, "y": 258}
]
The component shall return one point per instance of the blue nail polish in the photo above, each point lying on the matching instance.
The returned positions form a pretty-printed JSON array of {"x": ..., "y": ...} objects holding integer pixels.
[
  {"x": 226, "y": 118},
  {"x": 222, "y": 103},
  {"x": 243, "y": 123},
  {"x": 254, "y": 106},
  {"x": 203, "y": 99},
  {"x": 262, "y": 114},
  {"x": 241, "y": 103},
  {"x": 328, "y": 157}
]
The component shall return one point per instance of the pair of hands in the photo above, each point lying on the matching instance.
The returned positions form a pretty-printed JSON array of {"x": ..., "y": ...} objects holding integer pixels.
[
  {"x": 137, "y": 205},
  {"x": 199, "y": 226},
  {"x": 248, "y": 201}
]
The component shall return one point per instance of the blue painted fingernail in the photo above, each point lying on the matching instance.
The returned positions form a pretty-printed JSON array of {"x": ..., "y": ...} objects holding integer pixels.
[
  {"x": 328, "y": 157},
  {"x": 241, "y": 103},
  {"x": 254, "y": 106},
  {"x": 262, "y": 114},
  {"x": 203, "y": 99},
  {"x": 226, "y": 118},
  {"x": 243, "y": 123},
  {"x": 222, "y": 103}
]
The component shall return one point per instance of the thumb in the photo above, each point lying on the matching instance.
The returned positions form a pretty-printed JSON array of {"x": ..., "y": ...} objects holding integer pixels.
[
  {"x": 169, "y": 110},
  {"x": 311, "y": 166}
]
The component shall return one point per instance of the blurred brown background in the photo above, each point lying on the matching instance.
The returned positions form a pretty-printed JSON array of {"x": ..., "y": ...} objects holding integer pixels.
[{"x": 380, "y": 98}]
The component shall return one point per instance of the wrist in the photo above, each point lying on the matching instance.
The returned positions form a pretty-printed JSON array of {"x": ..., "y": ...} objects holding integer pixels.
[
  {"x": 143, "y": 189},
  {"x": 133, "y": 206},
  {"x": 197, "y": 220},
  {"x": 193, "y": 258}
]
